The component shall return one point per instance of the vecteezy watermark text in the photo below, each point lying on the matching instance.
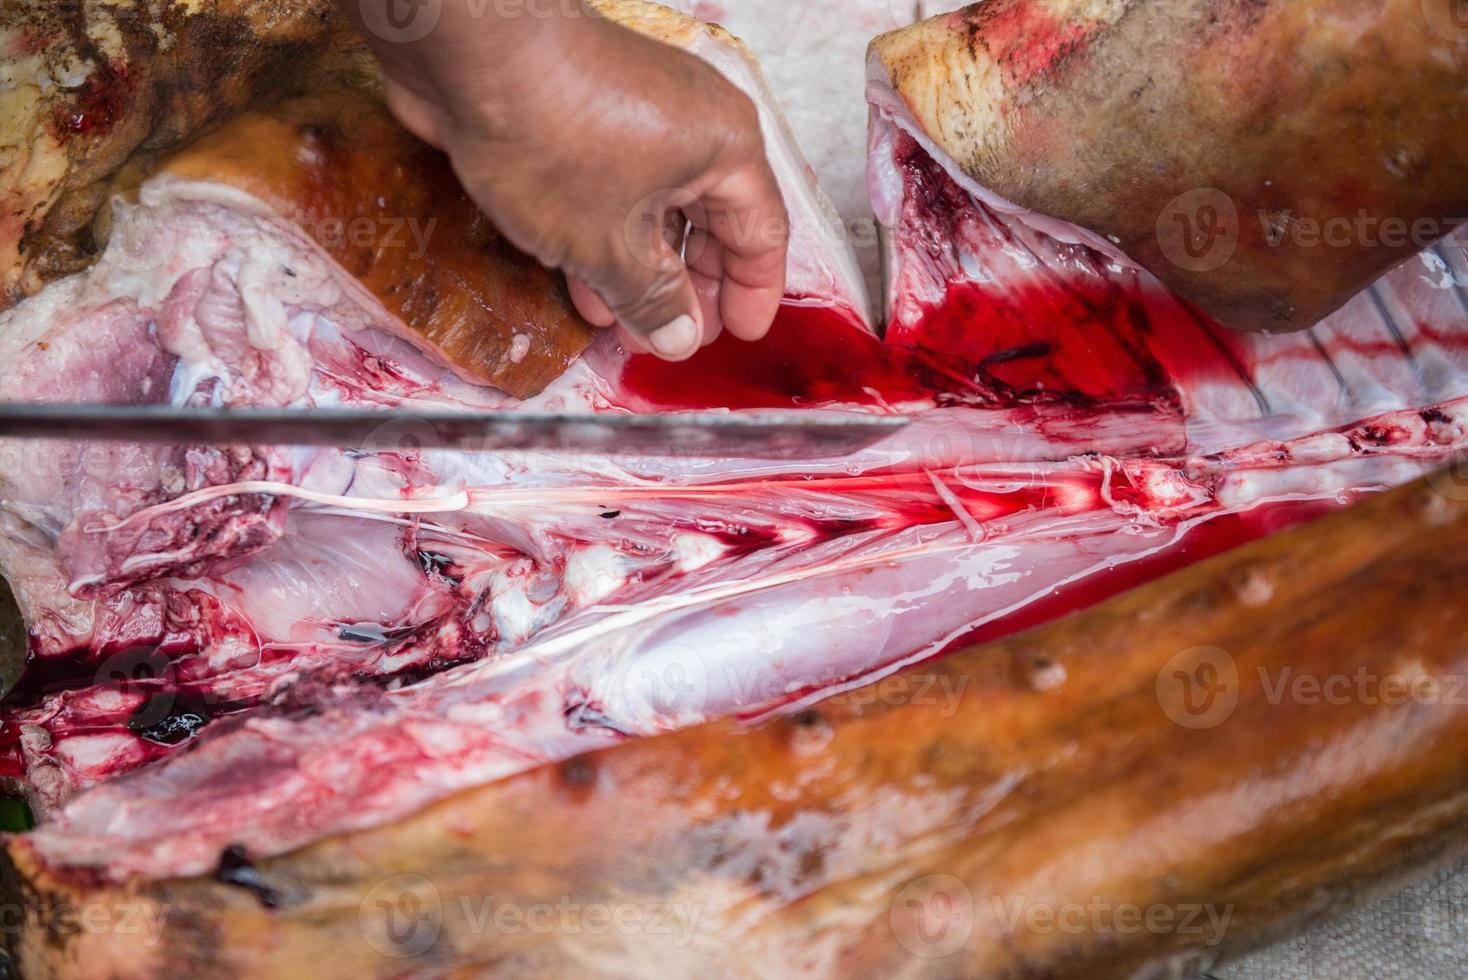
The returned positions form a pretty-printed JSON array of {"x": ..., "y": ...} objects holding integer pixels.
[
  {"x": 141, "y": 922},
  {"x": 1200, "y": 230},
  {"x": 1361, "y": 230},
  {"x": 404, "y": 916},
  {"x": 1100, "y": 916},
  {"x": 381, "y": 233}
]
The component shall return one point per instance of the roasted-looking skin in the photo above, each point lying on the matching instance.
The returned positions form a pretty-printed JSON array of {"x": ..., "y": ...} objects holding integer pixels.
[
  {"x": 1156, "y": 751},
  {"x": 1147, "y": 120}
]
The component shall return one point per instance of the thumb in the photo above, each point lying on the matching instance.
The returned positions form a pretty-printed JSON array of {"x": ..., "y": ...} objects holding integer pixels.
[{"x": 648, "y": 289}]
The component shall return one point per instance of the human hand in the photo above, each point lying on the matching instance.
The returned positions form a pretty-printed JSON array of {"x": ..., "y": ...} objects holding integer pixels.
[{"x": 587, "y": 145}]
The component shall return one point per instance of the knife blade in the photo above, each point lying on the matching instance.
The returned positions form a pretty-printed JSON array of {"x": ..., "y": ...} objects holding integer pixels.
[{"x": 779, "y": 434}]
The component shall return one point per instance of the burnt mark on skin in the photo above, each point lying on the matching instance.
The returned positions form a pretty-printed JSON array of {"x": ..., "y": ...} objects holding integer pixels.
[
  {"x": 578, "y": 773},
  {"x": 236, "y": 869}
]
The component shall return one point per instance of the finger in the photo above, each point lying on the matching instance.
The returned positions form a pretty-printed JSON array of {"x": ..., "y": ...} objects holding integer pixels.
[
  {"x": 706, "y": 267},
  {"x": 589, "y": 304},
  {"x": 647, "y": 287},
  {"x": 746, "y": 215},
  {"x": 634, "y": 342}
]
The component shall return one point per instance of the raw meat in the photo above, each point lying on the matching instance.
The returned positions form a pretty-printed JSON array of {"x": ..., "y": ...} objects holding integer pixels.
[
  {"x": 1267, "y": 161},
  {"x": 916, "y": 826},
  {"x": 256, "y": 649},
  {"x": 601, "y": 598}
]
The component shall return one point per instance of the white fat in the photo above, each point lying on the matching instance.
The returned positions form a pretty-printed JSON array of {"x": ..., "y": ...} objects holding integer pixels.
[
  {"x": 515, "y": 616},
  {"x": 94, "y": 751},
  {"x": 694, "y": 551},
  {"x": 1321, "y": 448},
  {"x": 593, "y": 573}
]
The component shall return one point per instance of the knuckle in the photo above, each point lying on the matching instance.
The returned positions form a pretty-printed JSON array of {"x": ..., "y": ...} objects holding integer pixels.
[
  {"x": 653, "y": 297},
  {"x": 743, "y": 135}
]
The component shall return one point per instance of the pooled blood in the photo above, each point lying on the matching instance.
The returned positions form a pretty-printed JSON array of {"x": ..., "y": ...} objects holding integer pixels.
[
  {"x": 100, "y": 103},
  {"x": 812, "y": 355},
  {"x": 1081, "y": 344}
]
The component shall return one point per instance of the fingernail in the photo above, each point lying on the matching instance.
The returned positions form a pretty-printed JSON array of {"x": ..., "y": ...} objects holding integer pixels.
[{"x": 677, "y": 339}]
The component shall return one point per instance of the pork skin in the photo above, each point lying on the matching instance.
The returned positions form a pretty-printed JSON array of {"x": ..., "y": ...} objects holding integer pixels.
[{"x": 1267, "y": 161}]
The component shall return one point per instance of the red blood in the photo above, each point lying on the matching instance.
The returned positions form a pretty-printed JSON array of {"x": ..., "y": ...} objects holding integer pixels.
[
  {"x": 1070, "y": 344},
  {"x": 12, "y": 762},
  {"x": 1026, "y": 39},
  {"x": 1032, "y": 345},
  {"x": 100, "y": 102},
  {"x": 812, "y": 355},
  {"x": 1080, "y": 332}
]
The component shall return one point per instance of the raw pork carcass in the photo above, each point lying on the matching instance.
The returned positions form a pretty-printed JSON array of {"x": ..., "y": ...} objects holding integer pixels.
[{"x": 238, "y": 652}]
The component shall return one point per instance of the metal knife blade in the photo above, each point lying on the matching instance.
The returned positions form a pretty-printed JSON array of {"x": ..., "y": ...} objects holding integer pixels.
[{"x": 769, "y": 435}]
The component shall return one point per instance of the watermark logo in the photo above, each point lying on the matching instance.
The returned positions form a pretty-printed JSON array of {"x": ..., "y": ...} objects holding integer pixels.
[
  {"x": 1199, "y": 687},
  {"x": 675, "y": 923},
  {"x": 401, "y": 21},
  {"x": 1198, "y": 231},
  {"x": 380, "y": 233},
  {"x": 1098, "y": 916},
  {"x": 1448, "y": 19},
  {"x": 670, "y": 683},
  {"x": 1363, "y": 686},
  {"x": 141, "y": 923},
  {"x": 680, "y": 217},
  {"x": 142, "y": 237},
  {"x": 402, "y": 916},
  {"x": 933, "y": 916},
  {"x": 140, "y": 672},
  {"x": 1451, "y": 481},
  {"x": 675, "y": 214}
]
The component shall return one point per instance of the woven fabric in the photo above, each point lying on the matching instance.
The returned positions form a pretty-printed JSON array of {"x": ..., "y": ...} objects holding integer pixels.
[{"x": 1418, "y": 934}]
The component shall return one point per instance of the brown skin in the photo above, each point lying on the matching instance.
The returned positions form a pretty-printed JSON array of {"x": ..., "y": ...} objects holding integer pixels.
[
  {"x": 1043, "y": 773},
  {"x": 386, "y": 207},
  {"x": 578, "y": 137},
  {"x": 174, "y": 68},
  {"x": 1329, "y": 129}
]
